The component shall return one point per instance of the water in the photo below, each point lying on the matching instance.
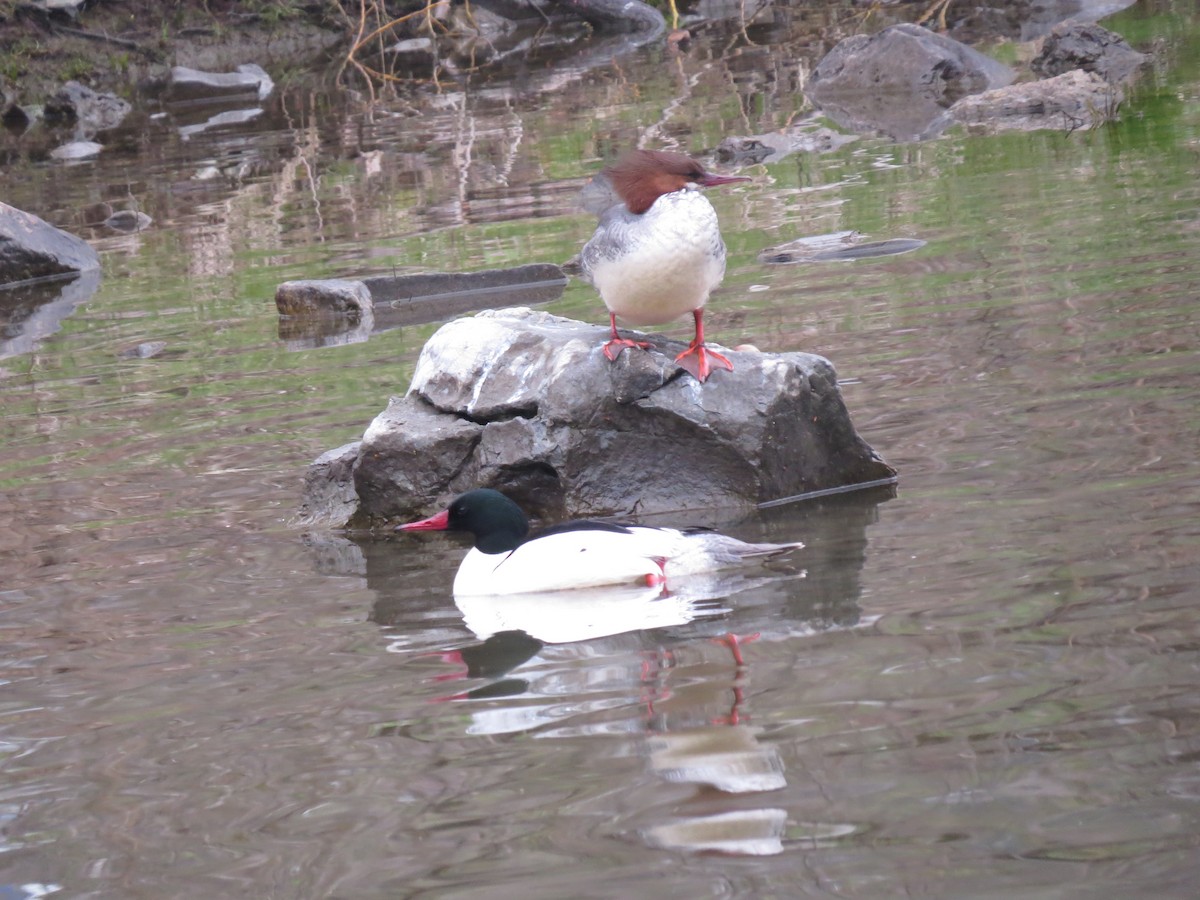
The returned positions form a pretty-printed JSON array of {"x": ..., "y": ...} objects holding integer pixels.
[{"x": 982, "y": 685}]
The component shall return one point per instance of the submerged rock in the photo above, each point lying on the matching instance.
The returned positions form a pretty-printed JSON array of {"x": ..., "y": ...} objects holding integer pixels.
[
  {"x": 33, "y": 248},
  {"x": 526, "y": 402}
]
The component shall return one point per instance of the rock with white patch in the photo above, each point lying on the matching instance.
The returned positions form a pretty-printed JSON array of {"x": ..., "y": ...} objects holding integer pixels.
[
  {"x": 526, "y": 402},
  {"x": 194, "y": 85}
]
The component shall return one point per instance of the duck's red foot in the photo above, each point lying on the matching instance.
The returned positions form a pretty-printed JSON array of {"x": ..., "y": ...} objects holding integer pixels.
[
  {"x": 621, "y": 343},
  {"x": 704, "y": 361},
  {"x": 734, "y": 643}
]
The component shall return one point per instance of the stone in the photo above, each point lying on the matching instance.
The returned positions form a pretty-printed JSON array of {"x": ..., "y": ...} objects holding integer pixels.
[
  {"x": 526, "y": 402},
  {"x": 900, "y": 81},
  {"x": 194, "y": 85},
  {"x": 319, "y": 297},
  {"x": 1091, "y": 48},
  {"x": 324, "y": 313},
  {"x": 405, "y": 451},
  {"x": 80, "y": 106},
  {"x": 128, "y": 221},
  {"x": 1073, "y": 100},
  {"x": 33, "y": 248},
  {"x": 17, "y": 119},
  {"x": 76, "y": 150},
  {"x": 330, "y": 499}
]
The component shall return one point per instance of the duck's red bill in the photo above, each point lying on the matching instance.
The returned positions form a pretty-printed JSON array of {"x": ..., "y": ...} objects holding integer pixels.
[{"x": 440, "y": 522}]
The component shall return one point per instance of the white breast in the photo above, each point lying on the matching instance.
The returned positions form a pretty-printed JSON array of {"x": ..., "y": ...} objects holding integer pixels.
[{"x": 654, "y": 268}]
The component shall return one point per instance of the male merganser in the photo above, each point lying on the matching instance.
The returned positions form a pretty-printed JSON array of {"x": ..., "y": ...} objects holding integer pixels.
[
  {"x": 580, "y": 554},
  {"x": 657, "y": 252}
]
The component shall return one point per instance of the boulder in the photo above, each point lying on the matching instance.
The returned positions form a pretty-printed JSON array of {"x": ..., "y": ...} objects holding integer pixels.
[
  {"x": 33, "y": 248},
  {"x": 526, "y": 402},
  {"x": 1091, "y": 48},
  {"x": 900, "y": 81},
  {"x": 80, "y": 106}
]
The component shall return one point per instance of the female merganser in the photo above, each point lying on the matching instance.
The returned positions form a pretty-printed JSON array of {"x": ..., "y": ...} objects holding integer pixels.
[
  {"x": 580, "y": 554},
  {"x": 657, "y": 252}
]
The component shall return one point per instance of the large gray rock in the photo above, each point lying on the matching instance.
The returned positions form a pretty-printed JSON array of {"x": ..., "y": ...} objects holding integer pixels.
[
  {"x": 900, "y": 81},
  {"x": 526, "y": 402},
  {"x": 33, "y": 248}
]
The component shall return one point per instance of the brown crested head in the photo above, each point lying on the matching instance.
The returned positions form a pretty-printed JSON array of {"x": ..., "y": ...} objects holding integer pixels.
[{"x": 642, "y": 176}]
